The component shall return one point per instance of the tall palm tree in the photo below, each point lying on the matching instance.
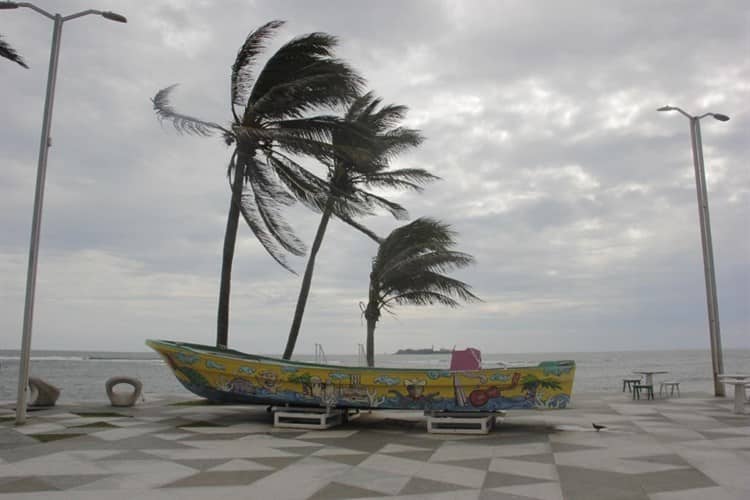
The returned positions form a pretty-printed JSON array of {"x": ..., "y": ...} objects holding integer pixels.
[
  {"x": 370, "y": 136},
  {"x": 408, "y": 270},
  {"x": 10, "y": 53},
  {"x": 270, "y": 127}
]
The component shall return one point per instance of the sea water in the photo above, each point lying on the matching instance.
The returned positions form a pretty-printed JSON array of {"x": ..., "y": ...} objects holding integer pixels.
[{"x": 81, "y": 375}]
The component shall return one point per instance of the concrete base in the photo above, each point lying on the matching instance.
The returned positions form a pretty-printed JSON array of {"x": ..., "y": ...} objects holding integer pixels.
[{"x": 126, "y": 398}]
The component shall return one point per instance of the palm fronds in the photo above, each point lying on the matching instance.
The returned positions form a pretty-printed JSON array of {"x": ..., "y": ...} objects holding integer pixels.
[
  {"x": 268, "y": 204},
  {"x": 371, "y": 200},
  {"x": 183, "y": 123},
  {"x": 10, "y": 53},
  {"x": 405, "y": 178},
  {"x": 409, "y": 265},
  {"x": 368, "y": 138},
  {"x": 241, "y": 79},
  {"x": 256, "y": 223},
  {"x": 301, "y": 76}
]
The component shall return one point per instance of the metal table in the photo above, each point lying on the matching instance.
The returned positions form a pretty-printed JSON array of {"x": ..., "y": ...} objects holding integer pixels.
[{"x": 650, "y": 375}]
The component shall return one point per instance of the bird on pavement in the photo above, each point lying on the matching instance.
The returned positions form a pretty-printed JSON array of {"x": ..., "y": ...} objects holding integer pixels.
[{"x": 598, "y": 427}]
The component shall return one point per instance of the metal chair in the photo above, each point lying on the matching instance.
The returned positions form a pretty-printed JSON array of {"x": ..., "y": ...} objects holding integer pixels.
[
  {"x": 669, "y": 386},
  {"x": 637, "y": 388},
  {"x": 629, "y": 383}
]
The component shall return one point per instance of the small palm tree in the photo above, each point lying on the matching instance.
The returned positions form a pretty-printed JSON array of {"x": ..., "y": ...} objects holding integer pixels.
[
  {"x": 269, "y": 127},
  {"x": 10, "y": 53},
  {"x": 407, "y": 270},
  {"x": 370, "y": 136},
  {"x": 531, "y": 384}
]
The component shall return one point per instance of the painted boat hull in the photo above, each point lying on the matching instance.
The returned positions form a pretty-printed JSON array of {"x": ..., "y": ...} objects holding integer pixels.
[{"x": 233, "y": 377}]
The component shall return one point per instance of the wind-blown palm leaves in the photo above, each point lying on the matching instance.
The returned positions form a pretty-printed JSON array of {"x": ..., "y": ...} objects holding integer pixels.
[
  {"x": 10, "y": 53},
  {"x": 269, "y": 127},
  {"x": 408, "y": 270},
  {"x": 370, "y": 136}
]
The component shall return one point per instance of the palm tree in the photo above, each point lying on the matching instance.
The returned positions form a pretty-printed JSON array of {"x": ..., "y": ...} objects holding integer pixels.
[
  {"x": 9, "y": 52},
  {"x": 365, "y": 143},
  {"x": 407, "y": 270},
  {"x": 269, "y": 128},
  {"x": 531, "y": 383}
]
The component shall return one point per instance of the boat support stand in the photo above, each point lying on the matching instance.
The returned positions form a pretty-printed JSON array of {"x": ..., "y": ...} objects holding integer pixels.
[
  {"x": 461, "y": 422},
  {"x": 296, "y": 417}
]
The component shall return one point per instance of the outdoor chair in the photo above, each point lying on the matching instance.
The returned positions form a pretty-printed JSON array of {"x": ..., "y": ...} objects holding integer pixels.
[
  {"x": 637, "y": 388},
  {"x": 665, "y": 387},
  {"x": 629, "y": 383}
]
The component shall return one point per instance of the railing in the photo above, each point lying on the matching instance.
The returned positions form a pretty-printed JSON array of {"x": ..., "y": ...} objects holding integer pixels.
[{"x": 320, "y": 355}]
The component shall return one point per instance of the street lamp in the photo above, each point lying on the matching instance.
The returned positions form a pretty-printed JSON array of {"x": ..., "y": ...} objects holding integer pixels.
[
  {"x": 717, "y": 359},
  {"x": 45, "y": 143}
]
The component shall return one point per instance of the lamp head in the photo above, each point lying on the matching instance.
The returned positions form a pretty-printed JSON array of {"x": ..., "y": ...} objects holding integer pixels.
[
  {"x": 666, "y": 108},
  {"x": 113, "y": 16},
  {"x": 720, "y": 117},
  {"x": 8, "y": 5}
]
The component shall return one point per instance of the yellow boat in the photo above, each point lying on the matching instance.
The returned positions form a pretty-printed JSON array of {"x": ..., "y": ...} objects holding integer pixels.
[{"x": 231, "y": 376}]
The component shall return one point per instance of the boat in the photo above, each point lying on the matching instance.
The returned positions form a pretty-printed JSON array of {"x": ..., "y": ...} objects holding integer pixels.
[{"x": 229, "y": 376}]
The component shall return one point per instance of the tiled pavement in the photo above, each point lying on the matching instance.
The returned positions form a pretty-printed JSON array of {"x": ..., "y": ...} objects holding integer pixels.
[{"x": 676, "y": 449}]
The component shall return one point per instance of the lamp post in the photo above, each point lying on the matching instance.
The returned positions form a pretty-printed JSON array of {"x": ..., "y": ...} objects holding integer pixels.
[
  {"x": 45, "y": 143},
  {"x": 712, "y": 301}
]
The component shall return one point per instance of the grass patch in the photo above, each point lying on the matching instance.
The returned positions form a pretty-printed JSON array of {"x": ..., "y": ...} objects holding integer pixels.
[
  {"x": 93, "y": 424},
  {"x": 7, "y": 419},
  {"x": 99, "y": 414},
  {"x": 46, "y": 438}
]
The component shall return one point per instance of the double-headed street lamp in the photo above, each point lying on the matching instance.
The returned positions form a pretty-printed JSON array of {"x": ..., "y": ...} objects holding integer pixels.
[
  {"x": 45, "y": 143},
  {"x": 712, "y": 300}
]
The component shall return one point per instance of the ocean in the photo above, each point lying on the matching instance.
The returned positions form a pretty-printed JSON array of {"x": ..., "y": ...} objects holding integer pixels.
[{"x": 81, "y": 374}]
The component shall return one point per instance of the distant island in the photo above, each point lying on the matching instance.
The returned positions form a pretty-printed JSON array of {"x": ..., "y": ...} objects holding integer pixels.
[{"x": 431, "y": 350}]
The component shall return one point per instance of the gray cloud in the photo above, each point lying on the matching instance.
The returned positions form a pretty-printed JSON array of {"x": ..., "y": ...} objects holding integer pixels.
[{"x": 575, "y": 196}]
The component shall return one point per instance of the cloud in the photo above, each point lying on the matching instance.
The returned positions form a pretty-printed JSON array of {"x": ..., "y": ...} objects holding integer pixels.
[{"x": 576, "y": 197}]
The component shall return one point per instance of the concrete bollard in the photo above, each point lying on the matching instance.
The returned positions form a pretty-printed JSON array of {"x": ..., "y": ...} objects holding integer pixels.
[
  {"x": 123, "y": 399},
  {"x": 41, "y": 393}
]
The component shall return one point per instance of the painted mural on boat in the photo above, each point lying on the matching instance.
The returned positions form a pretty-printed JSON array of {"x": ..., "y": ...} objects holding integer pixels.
[{"x": 231, "y": 376}]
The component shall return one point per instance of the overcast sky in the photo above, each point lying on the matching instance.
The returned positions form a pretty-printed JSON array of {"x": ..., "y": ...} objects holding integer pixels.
[{"x": 575, "y": 196}]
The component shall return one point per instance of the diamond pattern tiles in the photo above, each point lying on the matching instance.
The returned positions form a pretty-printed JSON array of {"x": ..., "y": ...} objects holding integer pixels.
[{"x": 657, "y": 450}]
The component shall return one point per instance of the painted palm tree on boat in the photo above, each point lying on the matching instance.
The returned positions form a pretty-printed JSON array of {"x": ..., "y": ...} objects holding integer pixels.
[
  {"x": 408, "y": 269},
  {"x": 271, "y": 128},
  {"x": 10, "y": 53},
  {"x": 369, "y": 137},
  {"x": 531, "y": 384}
]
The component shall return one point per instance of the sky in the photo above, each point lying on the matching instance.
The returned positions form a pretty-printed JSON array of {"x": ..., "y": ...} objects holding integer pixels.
[{"x": 576, "y": 197}]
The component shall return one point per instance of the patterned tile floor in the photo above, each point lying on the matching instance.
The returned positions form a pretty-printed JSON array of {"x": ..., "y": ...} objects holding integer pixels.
[{"x": 674, "y": 449}]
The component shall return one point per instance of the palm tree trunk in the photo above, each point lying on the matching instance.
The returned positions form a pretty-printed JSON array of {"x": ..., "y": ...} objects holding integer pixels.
[
  {"x": 372, "y": 315},
  {"x": 304, "y": 291},
  {"x": 230, "y": 239},
  {"x": 371, "y": 341}
]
